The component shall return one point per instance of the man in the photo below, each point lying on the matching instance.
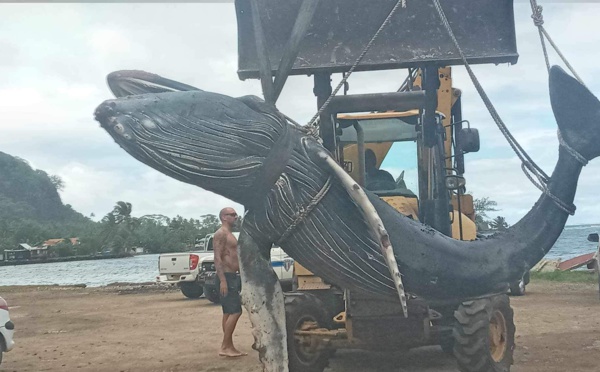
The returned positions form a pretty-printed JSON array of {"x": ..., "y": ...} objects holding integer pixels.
[
  {"x": 227, "y": 265},
  {"x": 377, "y": 179}
]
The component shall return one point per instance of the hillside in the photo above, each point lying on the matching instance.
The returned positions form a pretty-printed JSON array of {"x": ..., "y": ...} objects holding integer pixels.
[{"x": 30, "y": 206}]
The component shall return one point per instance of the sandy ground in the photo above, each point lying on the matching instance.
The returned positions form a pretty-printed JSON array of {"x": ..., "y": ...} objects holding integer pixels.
[{"x": 146, "y": 328}]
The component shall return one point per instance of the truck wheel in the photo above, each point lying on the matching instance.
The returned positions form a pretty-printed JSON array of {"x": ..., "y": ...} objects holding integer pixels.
[
  {"x": 212, "y": 294},
  {"x": 304, "y": 311},
  {"x": 191, "y": 289},
  {"x": 484, "y": 334}
]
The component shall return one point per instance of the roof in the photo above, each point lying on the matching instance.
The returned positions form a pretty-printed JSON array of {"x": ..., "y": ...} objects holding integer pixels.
[
  {"x": 51, "y": 242},
  {"x": 24, "y": 246}
]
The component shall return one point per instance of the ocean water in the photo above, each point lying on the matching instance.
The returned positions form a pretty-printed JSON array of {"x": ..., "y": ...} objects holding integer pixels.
[
  {"x": 573, "y": 242},
  {"x": 144, "y": 268},
  {"x": 94, "y": 273}
]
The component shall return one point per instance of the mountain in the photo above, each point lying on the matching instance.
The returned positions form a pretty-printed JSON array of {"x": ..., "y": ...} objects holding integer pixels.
[{"x": 30, "y": 206}]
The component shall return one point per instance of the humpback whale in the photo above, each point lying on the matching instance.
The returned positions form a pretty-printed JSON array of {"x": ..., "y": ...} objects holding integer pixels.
[{"x": 246, "y": 150}]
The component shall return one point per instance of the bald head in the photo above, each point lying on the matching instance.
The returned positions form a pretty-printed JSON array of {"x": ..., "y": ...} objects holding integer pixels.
[{"x": 228, "y": 214}]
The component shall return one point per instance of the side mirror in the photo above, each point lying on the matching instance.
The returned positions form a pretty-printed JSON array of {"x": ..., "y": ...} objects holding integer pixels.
[
  {"x": 454, "y": 182},
  {"x": 468, "y": 140},
  {"x": 593, "y": 238}
]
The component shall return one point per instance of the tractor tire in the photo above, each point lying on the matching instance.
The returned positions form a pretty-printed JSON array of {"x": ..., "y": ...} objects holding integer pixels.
[
  {"x": 212, "y": 294},
  {"x": 302, "y": 309},
  {"x": 484, "y": 334},
  {"x": 191, "y": 289}
]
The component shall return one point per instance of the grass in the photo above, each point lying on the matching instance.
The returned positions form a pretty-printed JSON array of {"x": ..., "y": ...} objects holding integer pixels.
[{"x": 567, "y": 276}]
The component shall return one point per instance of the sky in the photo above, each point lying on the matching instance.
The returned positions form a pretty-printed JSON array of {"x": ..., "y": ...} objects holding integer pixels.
[{"x": 54, "y": 59}]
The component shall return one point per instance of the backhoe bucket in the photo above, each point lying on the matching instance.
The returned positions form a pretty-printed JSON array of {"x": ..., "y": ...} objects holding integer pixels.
[{"x": 340, "y": 30}]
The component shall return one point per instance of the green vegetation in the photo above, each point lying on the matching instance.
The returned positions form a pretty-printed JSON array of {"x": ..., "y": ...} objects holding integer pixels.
[
  {"x": 31, "y": 212},
  {"x": 499, "y": 223},
  {"x": 578, "y": 276},
  {"x": 482, "y": 206}
]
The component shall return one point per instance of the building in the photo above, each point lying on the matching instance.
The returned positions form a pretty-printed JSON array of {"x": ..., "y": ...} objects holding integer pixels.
[
  {"x": 137, "y": 250},
  {"x": 25, "y": 252},
  {"x": 51, "y": 242}
]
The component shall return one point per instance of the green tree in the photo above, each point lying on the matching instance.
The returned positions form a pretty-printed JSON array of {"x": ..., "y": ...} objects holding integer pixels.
[
  {"x": 118, "y": 228},
  {"x": 58, "y": 182},
  {"x": 499, "y": 223},
  {"x": 209, "y": 223},
  {"x": 64, "y": 248},
  {"x": 482, "y": 206}
]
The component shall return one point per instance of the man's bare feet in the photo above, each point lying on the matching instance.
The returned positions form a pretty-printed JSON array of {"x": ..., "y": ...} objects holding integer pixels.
[{"x": 233, "y": 352}]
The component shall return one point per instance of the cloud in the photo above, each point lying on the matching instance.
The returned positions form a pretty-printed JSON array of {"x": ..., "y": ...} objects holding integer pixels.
[
  {"x": 56, "y": 57},
  {"x": 149, "y": 192}
]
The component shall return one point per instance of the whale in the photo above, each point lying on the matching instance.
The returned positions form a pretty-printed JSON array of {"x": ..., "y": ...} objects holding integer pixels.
[{"x": 244, "y": 149}]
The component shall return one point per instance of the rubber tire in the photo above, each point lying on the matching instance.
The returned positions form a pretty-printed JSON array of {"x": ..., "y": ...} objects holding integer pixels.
[
  {"x": 299, "y": 308},
  {"x": 212, "y": 294},
  {"x": 471, "y": 334},
  {"x": 191, "y": 289}
]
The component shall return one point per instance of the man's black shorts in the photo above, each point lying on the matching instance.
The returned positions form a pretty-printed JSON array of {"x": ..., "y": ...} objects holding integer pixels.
[{"x": 232, "y": 303}]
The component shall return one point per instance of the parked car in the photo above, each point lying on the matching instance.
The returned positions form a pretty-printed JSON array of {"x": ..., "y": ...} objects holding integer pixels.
[{"x": 7, "y": 329}]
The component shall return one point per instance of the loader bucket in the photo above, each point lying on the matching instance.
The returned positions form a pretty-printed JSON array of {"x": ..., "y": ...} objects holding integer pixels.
[{"x": 340, "y": 30}]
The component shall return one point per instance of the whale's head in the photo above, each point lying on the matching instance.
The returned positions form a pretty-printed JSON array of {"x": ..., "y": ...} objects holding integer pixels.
[
  {"x": 205, "y": 139},
  {"x": 577, "y": 113}
]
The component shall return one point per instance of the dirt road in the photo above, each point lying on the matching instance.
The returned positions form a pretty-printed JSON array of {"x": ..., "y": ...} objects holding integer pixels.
[{"x": 150, "y": 329}]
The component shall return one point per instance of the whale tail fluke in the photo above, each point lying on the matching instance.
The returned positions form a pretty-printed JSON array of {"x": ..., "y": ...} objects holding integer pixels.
[{"x": 577, "y": 113}]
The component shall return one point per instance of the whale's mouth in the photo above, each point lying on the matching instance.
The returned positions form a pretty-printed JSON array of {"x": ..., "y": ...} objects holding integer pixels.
[{"x": 197, "y": 137}]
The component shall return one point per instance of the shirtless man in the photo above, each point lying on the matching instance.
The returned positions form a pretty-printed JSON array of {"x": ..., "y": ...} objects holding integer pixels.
[{"x": 227, "y": 265}]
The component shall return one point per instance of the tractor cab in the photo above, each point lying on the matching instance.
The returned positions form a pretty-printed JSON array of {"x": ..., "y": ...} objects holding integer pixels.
[
  {"x": 384, "y": 152},
  {"x": 367, "y": 141}
]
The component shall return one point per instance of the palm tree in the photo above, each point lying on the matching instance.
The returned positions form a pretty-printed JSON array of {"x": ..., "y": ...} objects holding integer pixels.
[
  {"x": 122, "y": 212},
  {"x": 499, "y": 223},
  {"x": 481, "y": 207}
]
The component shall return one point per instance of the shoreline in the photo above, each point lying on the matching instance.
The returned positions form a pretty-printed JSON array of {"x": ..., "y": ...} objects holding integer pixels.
[{"x": 65, "y": 259}]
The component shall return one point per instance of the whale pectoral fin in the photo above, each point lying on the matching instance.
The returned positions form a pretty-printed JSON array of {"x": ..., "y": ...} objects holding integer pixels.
[
  {"x": 373, "y": 220},
  {"x": 132, "y": 82},
  {"x": 263, "y": 299},
  {"x": 577, "y": 113}
]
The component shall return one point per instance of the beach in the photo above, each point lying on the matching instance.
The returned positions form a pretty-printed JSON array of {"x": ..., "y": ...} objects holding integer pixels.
[{"x": 145, "y": 327}]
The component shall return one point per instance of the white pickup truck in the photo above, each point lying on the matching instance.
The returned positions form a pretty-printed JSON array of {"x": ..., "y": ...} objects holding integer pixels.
[
  {"x": 194, "y": 272},
  {"x": 183, "y": 269}
]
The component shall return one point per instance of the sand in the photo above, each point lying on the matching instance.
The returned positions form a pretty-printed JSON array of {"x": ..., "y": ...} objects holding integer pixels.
[{"x": 149, "y": 328}]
